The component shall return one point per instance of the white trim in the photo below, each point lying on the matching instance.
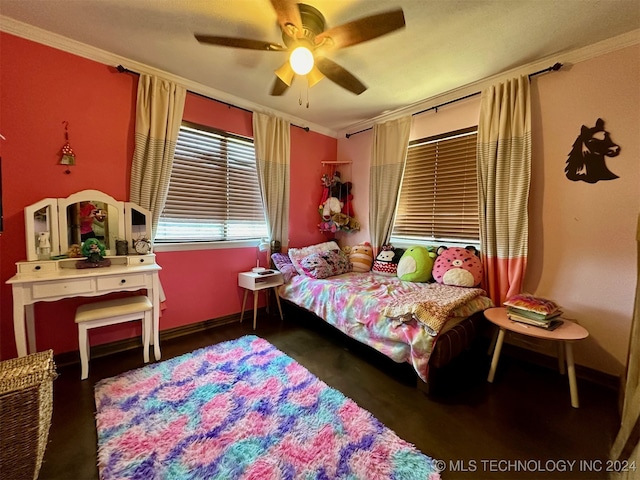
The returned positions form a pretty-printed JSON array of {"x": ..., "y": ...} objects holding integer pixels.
[
  {"x": 567, "y": 58},
  {"x": 39, "y": 35},
  {"x": 187, "y": 246}
]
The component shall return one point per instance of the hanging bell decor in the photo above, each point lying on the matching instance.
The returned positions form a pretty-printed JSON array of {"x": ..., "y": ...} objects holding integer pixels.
[{"x": 68, "y": 157}]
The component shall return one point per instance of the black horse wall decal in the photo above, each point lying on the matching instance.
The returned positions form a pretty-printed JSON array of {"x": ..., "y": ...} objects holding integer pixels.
[{"x": 586, "y": 160}]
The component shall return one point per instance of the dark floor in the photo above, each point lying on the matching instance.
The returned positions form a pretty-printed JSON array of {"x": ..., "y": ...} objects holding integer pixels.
[{"x": 520, "y": 427}]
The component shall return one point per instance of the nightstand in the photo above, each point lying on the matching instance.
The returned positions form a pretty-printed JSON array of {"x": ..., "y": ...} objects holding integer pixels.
[
  {"x": 256, "y": 282},
  {"x": 566, "y": 334}
]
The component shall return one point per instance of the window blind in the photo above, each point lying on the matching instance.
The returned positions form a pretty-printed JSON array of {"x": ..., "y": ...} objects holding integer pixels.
[
  {"x": 213, "y": 192},
  {"x": 438, "y": 198}
]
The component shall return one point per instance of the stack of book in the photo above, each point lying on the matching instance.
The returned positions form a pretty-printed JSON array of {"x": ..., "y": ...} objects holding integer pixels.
[{"x": 536, "y": 311}]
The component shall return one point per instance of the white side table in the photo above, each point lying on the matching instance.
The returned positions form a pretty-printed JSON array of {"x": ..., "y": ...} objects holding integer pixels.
[
  {"x": 257, "y": 282},
  {"x": 566, "y": 334}
]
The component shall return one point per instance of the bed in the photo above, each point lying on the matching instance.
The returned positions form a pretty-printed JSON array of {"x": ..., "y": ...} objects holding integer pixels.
[{"x": 424, "y": 324}]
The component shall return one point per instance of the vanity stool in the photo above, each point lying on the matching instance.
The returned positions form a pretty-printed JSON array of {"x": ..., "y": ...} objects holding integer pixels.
[{"x": 111, "y": 312}]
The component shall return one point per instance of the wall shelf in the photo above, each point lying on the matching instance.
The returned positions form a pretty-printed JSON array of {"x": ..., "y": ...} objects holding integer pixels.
[{"x": 335, "y": 162}]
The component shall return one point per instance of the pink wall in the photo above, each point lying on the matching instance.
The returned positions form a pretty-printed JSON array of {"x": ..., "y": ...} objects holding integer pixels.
[
  {"x": 582, "y": 247},
  {"x": 40, "y": 87},
  {"x": 582, "y": 237}
]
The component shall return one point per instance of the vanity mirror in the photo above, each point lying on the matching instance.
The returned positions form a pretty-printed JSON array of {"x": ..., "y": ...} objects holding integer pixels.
[
  {"x": 53, "y": 225},
  {"x": 90, "y": 214}
]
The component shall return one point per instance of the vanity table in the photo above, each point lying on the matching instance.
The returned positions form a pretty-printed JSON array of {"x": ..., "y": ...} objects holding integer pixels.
[{"x": 47, "y": 275}]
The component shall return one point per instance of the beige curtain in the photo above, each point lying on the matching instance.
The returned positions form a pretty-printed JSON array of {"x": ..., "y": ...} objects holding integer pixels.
[
  {"x": 159, "y": 112},
  {"x": 625, "y": 447},
  {"x": 388, "y": 156},
  {"x": 504, "y": 174},
  {"x": 272, "y": 142}
]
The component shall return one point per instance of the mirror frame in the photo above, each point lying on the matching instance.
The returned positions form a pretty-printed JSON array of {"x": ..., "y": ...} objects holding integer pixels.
[
  {"x": 89, "y": 195},
  {"x": 129, "y": 207},
  {"x": 30, "y": 228}
]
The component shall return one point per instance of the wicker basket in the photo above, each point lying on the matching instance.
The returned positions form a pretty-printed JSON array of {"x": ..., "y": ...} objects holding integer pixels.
[{"x": 26, "y": 404}]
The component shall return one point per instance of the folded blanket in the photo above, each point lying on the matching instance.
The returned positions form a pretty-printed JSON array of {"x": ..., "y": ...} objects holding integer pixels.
[{"x": 431, "y": 305}]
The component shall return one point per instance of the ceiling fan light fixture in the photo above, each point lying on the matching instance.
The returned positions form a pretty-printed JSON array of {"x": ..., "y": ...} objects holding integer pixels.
[
  {"x": 314, "y": 76},
  {"x": 285, "y": 73},
  {"x": 301, "y": 60}
]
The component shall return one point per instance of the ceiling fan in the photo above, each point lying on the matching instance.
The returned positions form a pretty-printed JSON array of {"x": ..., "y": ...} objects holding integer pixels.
[{"x": 305, "y": 37}]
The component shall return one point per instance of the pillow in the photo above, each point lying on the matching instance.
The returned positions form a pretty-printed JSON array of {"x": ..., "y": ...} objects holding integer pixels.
[
  {"x": 361, "y": 257},
  {"x": 415, "y": 264},
  {"x": 283, "y": 263},
  {"x": 386, "y": 263},
  {"x": 458, "y": 266},
  {"x": 325, "y": 264},
  {"x": 297, "y": 254}
]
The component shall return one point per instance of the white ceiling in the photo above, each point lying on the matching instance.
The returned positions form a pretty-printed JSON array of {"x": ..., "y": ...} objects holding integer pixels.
[{"x": 446, "y": 44}]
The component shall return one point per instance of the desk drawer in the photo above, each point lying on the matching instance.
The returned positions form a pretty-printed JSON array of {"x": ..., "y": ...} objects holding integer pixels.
[
  {"x": 69, "y": 287},
  {"x": 37, "y": 267},
  {"x": 125, "y": 281},
  {"x": 141, "y": 260}
]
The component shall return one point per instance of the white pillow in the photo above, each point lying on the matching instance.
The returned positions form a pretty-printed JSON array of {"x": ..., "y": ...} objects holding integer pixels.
[{"x": 297, "y": 254}]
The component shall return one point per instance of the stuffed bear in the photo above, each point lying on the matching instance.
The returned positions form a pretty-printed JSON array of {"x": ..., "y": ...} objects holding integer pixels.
[
  {"x": 361, "y": 257},
  {"x": 458, "y": 266},
  {"x": 415, "y": 264},
  {"x": 386, "y": 263}
]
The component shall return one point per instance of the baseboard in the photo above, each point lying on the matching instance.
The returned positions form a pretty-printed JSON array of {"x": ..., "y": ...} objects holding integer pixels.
[
  {"x": 70, "y": 358},
  {"x": 606, "y": 380}
]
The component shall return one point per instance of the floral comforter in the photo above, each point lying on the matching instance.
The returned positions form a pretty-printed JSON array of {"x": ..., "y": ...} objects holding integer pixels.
[{"x": 356, "y": 303}]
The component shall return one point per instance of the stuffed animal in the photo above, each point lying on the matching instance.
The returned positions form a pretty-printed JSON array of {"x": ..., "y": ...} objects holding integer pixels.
[
  {"x": 330, "y": 207},
  {"x": 416, "y": 264},
  {"x": 386, "y": 263},
  {"x": 361, "y": 257},
  {"x": 458, "y": 266}
]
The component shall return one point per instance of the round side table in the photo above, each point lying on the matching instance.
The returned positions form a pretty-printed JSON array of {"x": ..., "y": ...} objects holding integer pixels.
[{"x": 566, "y": 334}]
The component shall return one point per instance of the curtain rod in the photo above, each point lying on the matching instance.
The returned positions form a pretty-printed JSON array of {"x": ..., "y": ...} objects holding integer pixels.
[
  {"x": 555, "y": 67},
  {"x": 122, "y": 69}
]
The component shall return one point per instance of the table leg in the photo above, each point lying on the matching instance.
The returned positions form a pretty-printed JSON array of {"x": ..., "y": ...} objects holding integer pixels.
[
  {"x": 31, "y": 328},
  {"x": 571, "y": 372},
  {"x": 561, "y": 358},
  {"x": 244, "y": 301},
  {"x": 155, "y": 299},
  {"x": 266, "y": 294},
  {"x": 18, "y": 328},
  {"x": 255, "y": 308},
  {"x": 275, "y": 291},
  {"x": 496, "y": 356}
]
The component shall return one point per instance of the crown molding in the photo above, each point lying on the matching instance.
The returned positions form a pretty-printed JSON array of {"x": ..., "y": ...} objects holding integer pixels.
[
  {"x": 59, "y": 42},
  {"x": 567, "y": 58},
  {"x": 65, "y": 44}
]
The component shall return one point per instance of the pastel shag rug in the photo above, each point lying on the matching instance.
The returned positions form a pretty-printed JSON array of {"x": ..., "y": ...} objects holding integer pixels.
[{"x": 242, "y": 410}]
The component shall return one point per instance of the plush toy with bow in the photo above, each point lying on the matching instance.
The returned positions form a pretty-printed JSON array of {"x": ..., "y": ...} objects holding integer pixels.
[{"x": 386, "y": 263}]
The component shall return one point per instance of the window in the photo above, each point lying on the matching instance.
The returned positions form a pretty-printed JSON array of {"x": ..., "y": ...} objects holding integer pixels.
[
  {"x": 213, "y": 193},
  {"x": 438, "y": 199}
]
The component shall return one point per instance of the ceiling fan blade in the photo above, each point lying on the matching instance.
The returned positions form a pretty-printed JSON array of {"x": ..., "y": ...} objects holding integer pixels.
[
  {"x": 240, "y": 43},
  {"x": 279, "y": 87},
  {"x": 288, "y": 15},
  {"x": 362, "y": 30},
  {"x": 339, "y": 75}
]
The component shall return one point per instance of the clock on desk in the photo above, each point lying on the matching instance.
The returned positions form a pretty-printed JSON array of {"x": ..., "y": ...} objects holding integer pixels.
[{"x": 142, "y": 246}]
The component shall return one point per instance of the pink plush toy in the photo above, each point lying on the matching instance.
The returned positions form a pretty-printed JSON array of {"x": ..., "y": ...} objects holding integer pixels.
[{"x": 458, "y": 266}]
